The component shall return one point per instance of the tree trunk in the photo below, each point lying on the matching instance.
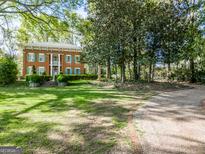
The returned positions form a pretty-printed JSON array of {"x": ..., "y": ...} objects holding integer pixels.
[
  {"x": 108, "y": 69},
  {"x": 99, "y": 72},
  {"x": 192, "y": 68},
  {"x": 138, "y": 71},
  {"x": 153, "y": 72},
  {"x": 116, "y": 73},
  {"x": 130, "y": 71},
  {"x": 135, "y": 72},
  {"x": 123, "y": 77},
  {"x": 150, "y": 73}
]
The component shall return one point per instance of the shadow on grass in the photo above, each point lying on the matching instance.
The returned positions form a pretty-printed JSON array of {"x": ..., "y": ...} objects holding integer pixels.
[{"x": 22, "y": 131}]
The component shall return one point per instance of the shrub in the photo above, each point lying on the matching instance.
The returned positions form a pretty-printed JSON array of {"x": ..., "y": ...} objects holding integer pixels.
[
  {"x": 34, "y": 78},
  {"x": 8, "y": 71},
  {"x": 46, "y": 78},
  {"x": 33, "y": 69},
  {"x": 80, "y": 77},
  {"x": 62, "y": 78},
  {"x": 200, "y": 76},
  {"x": 37, "y": 78}
]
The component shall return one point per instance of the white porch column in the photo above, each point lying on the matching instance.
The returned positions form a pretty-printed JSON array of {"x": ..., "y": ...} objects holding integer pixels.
[
  {"x": 51, "y": 64},
  {"x": 59, "y": 63}
]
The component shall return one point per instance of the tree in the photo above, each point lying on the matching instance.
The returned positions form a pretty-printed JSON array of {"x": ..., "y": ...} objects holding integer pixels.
[{"x": 8, "y": 70}]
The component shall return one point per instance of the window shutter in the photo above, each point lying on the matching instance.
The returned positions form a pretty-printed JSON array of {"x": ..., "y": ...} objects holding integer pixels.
[
  {"x": 70, "y": 59},
  {"x": 37, "y": 71},
  {"x": 35, "y": 55},
  {"x": 74, "y": 59},
  {"x": 28, "y": 57},
  {"x": 79, "y": 71},
  {"x": 70, "y": 70}
]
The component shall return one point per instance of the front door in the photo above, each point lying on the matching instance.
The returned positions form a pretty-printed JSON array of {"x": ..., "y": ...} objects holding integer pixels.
[{"x": 55, "y": 71}]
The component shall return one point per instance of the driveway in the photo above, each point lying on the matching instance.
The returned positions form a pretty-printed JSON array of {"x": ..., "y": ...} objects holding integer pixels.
[{"x": 173, "y": 123}]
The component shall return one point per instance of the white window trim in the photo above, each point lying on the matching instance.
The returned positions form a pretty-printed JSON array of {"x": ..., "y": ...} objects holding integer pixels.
[
  {"x": 76, "y": 59},
  {"x": 42, "y": 54},
  {"x": 68, "y": 68},
  {"x": 77, "y": 68},
  {"x": 70, "y": 58},
  {"x": 30, "y": 68},
  {"x": 31, "y": 57},
  {"x": 39, "y": 70}
]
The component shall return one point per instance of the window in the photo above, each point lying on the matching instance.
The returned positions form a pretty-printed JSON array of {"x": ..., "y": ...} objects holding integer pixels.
[
  {"x": 41, "y": 57},
  {"x": 77, "y": 70},
  {"x": 41, "y": 70},
  {"x": 77, "y": 59},
  {"x": 68, "y": 59},
  {"x": 68, "y": 70},
  {"x": 29, "y": 70},
  {"x": 31, "y": 57}
]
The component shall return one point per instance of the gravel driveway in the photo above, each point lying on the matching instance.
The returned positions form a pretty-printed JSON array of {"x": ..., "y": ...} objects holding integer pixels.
[{"x": 173, "y": 123}]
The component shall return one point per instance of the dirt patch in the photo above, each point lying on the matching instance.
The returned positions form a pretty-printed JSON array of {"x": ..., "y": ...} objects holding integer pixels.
[
  {"x": 133, "y": 135},
  {"x": 203, "y": 103},
  {"x": 144, "y": 86}
]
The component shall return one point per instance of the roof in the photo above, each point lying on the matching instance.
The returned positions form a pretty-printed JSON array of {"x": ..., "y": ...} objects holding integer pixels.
[{"x": 52, "y": 45}]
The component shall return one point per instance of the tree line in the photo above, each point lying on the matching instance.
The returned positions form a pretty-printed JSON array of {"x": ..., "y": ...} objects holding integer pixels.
[{"x": 141, "y": 37}]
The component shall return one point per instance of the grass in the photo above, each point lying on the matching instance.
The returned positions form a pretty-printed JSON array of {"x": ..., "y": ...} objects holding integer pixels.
[{"x": 80, "y": 118}]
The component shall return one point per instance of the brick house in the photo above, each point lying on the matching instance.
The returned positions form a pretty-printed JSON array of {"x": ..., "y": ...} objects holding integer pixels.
[{"x": 52, "y": 58}]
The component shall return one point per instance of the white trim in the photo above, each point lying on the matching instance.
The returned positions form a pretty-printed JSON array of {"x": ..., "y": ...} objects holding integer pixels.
[
  {"x": 51, "y": 67},
  {"x": 31, "y": 56},
  {"x": 68, "y": 68},
  {"x": 69, "y": 58},
  {"x": 30, "y": 70},
  {"x": 77, "y": 68},
  {"x": 77, "y": 62},
  {"x": 44, "y": 69},
  {"x": 59, "y": 63},
  {"x": 53, "y": 45},
  {"x": 41, "y": 54}
]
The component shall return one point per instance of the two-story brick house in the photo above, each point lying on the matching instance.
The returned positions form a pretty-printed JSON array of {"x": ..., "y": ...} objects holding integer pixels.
[{"x": 52, "y": 58}]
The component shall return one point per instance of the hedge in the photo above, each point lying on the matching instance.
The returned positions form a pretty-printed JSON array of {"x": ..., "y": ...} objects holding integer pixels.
[
  {"x": 37, "y": 78},
  {"x": 80, "y": 77}
]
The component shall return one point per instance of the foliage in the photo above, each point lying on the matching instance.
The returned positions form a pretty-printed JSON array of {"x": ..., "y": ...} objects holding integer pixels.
[
  {"x": 141, "y": 34},
  {"x": 37, "y": 78},
  {"x": 80, "y": 77},
  {"x": 34, "y": 78},
  {"x": 8, "y": 70},
  {"x": 33, "y": 69},
  {"x": 62, "y": 78}
]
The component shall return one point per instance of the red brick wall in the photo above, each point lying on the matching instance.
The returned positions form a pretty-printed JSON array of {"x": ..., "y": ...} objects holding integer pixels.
[{"x": 47, "y": 62}]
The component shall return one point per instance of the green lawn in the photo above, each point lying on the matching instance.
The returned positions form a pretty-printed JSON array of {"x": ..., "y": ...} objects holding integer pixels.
[{"x": 80, "y": 118}]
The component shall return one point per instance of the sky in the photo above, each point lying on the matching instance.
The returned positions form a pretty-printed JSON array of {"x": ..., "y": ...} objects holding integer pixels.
[{"x": 81, "y": 11}]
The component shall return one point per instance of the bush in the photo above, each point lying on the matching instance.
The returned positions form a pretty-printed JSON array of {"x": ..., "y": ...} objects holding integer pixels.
[
  {"x": 80, "y": 77},
  {"x": 34, "y": 78},
  {"x": 37, "y": 78},
  {"x": 62, "y": 78},
  {"x": 182, "y": 74},
  {"x": 8, "y": 71},
  {"x": 46, "y": 78},
  {"x": 200, "y": 76}
]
